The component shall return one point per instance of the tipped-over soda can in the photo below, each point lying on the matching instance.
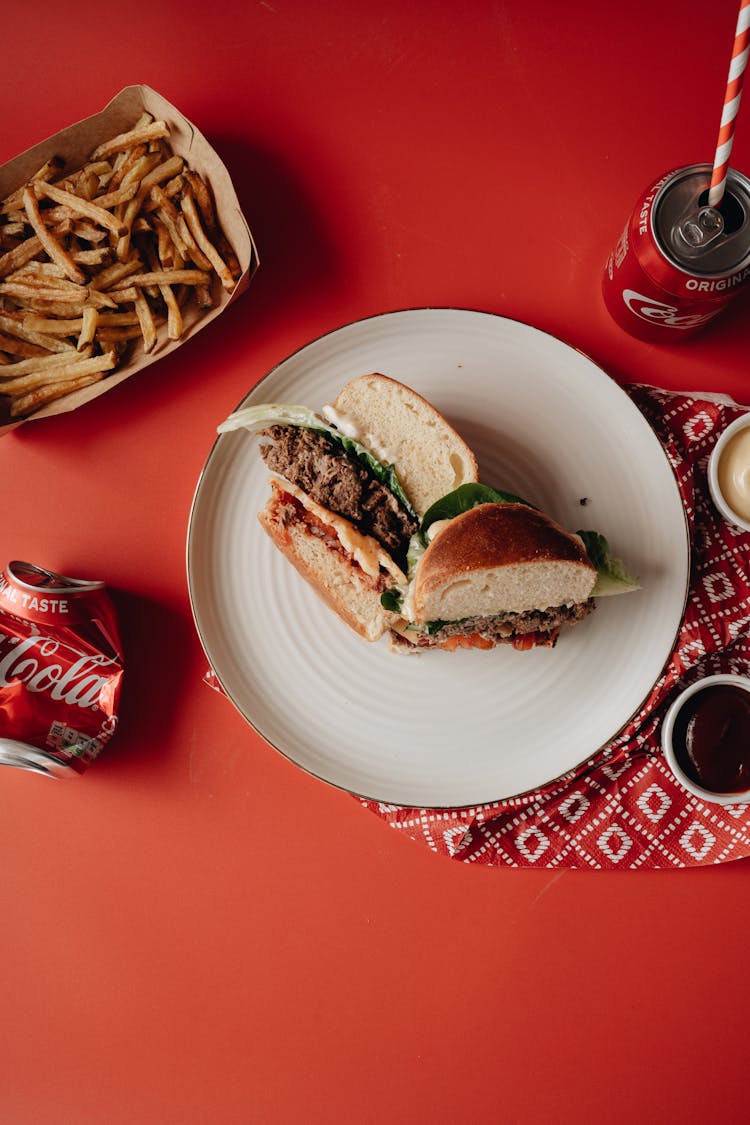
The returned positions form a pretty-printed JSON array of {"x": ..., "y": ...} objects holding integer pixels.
[{"x": 61, "y": 668}]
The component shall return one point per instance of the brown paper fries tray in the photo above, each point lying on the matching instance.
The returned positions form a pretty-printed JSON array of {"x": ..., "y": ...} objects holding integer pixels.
[{"x": 74, "y": 145}]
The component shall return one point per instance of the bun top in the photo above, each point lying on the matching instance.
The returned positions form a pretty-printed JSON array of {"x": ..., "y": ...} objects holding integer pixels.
[
  {"x": 500, "y": 558},
  {"x": 403, "y": 429}
]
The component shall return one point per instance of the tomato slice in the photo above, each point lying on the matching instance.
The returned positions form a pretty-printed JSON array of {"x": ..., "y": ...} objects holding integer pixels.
[
  {"x": 521, "y": 643},
  {"x": 462, "y": 640},
  {"x": 526, "y": 641}
]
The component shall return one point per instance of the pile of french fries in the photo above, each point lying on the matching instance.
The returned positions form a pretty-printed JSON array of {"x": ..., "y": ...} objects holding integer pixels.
[{"x": 96, "y": 258}]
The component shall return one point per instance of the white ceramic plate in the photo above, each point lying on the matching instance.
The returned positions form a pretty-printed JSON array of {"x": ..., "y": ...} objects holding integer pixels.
[{"x": 447, "y": 729}]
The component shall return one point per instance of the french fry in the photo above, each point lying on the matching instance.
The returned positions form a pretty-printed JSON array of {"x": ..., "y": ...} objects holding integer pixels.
[
  {"x": 19, "y": 384},
  {"x": 209, "y": 250},
  {"x": 54, "y": 325},
  {"x": 14, "y": 328},
  {"x": 51, "y": 244},
  {"x": 89, "y": 323},
  {"x": 179, "y": 230},
  {"x": 115, "y": 198},
  {"x": 20, "y": 255},
  {"x": 175, "y": 322},
  {"x": 204, "y": 199},
  {"x": 135, "y": 137},
  {"x": 40, "y": 269},
  {"x": 171, "y": 189},
  {"x": 101, "y": 300},
  {"x": 21, "y": 347},
  {"x": 31, "y": 291},
  {"x": 168, "y": 254},
  {"x": 118, "y": 335},
  {"x": 146, "y": 322},
  {"x": 203, "y": 298},
  {"x": 68, "y": 310},
  {"x": 142, "y": 163},
  {"x": 37, "y": 277},
  {"x": 45, "y": 365},
  {"x": 27, "y": 403},
  {"x": 87, "y": 232},
  {"x": 114, "y": 319},
  {"x": 102, "y": 169},
  {"x": 82, "y": 206},
  {"x": 121, "y": 296},
  {"x": 47, "y": 171},
  {"x": 161, "y": 172},
  {"x": 91, "y": 257},
  {"x": 154, "y": 172},
  {"x": 170, "y": 277},
  {"x": 112, "y": 275},
  {"x": 86, "y": 184},
  {"x": 202, "y": 196}
]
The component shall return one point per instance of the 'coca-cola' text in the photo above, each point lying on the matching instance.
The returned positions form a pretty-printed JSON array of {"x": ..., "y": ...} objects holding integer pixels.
[{"x": 76, "y": 681}]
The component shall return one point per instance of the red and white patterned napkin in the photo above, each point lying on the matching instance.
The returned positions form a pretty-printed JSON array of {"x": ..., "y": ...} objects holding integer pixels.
[{"x": 623, "y": 808}]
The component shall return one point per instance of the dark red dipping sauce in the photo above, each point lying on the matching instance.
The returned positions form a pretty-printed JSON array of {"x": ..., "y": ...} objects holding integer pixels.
[{"x": 711, "y": 738}]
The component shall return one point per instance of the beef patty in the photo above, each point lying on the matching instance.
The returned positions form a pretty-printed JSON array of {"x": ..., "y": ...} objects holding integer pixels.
[
  {"x": 340, "y": 483},
  {"x": 509, "y": 625}
]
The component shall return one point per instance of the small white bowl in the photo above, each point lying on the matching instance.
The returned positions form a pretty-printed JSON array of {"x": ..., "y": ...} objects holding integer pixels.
[
  {"x": 713, "y": 472},
  {"x": 667, "y": 733}
]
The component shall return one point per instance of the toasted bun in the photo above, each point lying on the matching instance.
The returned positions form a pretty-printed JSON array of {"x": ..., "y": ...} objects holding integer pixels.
[
  {"x": 500, "y": 558},
  {"x": 343, "y": 567},
  {"x": 402, "y": 428}
]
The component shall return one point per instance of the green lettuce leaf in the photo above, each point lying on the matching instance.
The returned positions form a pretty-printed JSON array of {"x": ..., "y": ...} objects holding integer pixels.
[
  {"x": 612, "y": 577},
  {"x": 393, "y": 599},
  {"x": 257, "y": 418},
  {"x": 463, "y": 499}
]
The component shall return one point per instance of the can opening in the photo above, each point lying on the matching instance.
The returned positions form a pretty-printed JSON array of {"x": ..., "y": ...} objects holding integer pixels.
[
  {"x": 731, "y": 210},
  {"x": 717, "y": 253}
]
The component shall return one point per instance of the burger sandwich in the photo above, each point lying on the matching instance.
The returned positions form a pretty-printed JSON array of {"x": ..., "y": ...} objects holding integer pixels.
[
  {"x": 486, "y": 568},
  {"x": 350, "y": 487}
]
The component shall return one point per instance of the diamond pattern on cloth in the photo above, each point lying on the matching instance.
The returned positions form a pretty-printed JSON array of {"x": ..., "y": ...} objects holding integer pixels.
[{"x": 623, "y": 808}]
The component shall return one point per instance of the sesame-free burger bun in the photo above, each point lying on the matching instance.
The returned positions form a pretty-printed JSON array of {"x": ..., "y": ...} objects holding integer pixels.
[
  {"x": 430, "y": 457},
  {"x": 497, "y": 559}
]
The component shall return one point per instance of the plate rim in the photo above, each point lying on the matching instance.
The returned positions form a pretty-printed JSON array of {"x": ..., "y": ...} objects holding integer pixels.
[{"x": 571, "y": 771}]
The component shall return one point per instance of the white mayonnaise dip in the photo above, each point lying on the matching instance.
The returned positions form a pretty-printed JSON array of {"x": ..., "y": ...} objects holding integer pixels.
[{"x": 734, "y": 473}]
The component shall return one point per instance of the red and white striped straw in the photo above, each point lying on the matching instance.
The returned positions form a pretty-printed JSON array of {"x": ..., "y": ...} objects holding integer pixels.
[{"x": 731, "y": 105}]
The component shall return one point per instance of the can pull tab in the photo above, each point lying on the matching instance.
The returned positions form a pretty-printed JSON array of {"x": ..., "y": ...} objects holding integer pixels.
[{"x": 698, "y": 230}]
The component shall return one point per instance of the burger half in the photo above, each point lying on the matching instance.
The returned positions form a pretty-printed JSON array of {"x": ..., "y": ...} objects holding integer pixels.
[
  {"x": 351, "y": 486},
  {"x": 486, "y": 568}
]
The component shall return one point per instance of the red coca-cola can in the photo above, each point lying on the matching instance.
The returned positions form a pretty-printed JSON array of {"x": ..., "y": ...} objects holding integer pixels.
[
  {"x": 61, "y": 668},
  {"x": 679, "y": 262}
]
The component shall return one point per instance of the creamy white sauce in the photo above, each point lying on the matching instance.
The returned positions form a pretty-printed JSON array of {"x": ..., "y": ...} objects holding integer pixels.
[
  {"x": 341, "y": 422},
  {"x": 348, "y": 428},
  {"x": 435, "y": 528},
  {"x": 407, "y": 605},
  {"x": 734, "y": 473}
]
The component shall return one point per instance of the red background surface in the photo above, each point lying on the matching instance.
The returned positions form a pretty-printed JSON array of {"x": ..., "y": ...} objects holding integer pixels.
[{"x": 197, "y": 931}]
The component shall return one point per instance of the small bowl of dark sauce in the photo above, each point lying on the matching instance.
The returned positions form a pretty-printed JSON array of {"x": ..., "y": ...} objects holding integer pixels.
[{"x": 706, "y": 739}]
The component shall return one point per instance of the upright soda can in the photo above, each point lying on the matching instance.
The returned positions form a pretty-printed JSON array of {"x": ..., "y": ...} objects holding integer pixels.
[
  {"x": 679, "y": 262},
  {"x": 61, "y": 670}
]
